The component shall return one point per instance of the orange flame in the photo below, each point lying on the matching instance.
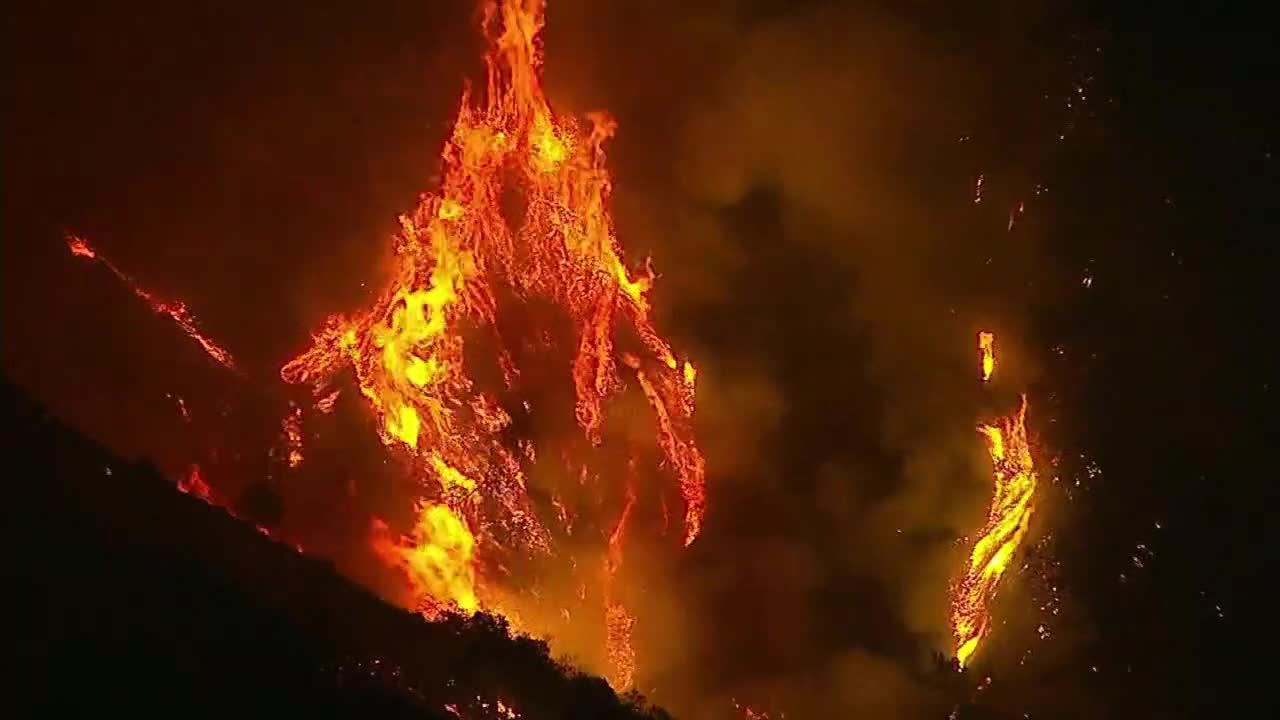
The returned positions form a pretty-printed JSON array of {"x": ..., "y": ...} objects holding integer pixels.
[
  {"x": 618, "y": 621},
  {"x": 194, "y": 484},
  {"x": 1012, "y": 506},
  {"x": 291, "y": 428},
  {"x": 987, "y": 346},
  {"x": 437, "y": 559},
  {"x": 175, "y": 310},
  {"x": 465, "y": 266}
]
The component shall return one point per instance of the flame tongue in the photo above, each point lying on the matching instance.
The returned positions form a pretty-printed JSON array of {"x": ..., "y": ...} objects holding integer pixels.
[
  {"x": 462, "y": 266},
  {"x": 175, "y": 310},
  {"x": 439, "y": 558},
  {"x": 1007, "y": 522}
]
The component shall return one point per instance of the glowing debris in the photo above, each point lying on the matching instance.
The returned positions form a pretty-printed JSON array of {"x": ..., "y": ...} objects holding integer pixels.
[
  {"x": 437, "y": 559},
  {"x": 618, "y": 621},
  {"x": 291, "y": 429}
]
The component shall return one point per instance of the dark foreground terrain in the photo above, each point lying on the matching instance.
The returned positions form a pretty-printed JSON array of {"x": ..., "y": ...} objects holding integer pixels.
[{"x": 132, "y": 596}]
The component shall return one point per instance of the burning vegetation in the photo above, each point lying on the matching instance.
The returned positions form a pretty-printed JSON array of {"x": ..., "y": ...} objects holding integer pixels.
[{"x": 509, "y": 270}]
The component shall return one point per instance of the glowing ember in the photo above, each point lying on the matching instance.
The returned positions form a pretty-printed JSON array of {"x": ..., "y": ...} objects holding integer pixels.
[
  {"x": 987, "y": 346},
  {"x": 1007, "y": 522},
  {"x": 471, "y": 276},
  {"x": 480, "y": 709},
  {"x": 175, "y": 310}
]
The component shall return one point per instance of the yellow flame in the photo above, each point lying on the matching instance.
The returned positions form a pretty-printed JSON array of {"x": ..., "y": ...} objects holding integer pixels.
[
  {"x": 439, "y": 561},
  {"x": 1008, "y": 519},
  {"x": 987, "y": 346},
  {"x": 450, "y": 477}
]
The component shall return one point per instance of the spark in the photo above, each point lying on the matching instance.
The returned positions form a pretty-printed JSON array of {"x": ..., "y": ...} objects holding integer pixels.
[
  {"x": 618, "y": 620},
  {"x": 1007, "y": 521},
  {"x": 291, "y": 429}
]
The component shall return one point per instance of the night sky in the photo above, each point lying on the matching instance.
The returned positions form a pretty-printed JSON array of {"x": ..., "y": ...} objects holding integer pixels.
[{"x": 830, "y": 193}]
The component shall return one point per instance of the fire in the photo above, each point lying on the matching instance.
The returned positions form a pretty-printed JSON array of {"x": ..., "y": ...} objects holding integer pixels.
[
  {"x": 194, "y": 484},
  {"x": 618, "y": 621},
  {"x": 987, "y": 346},
  {"x": 748, "y": 712},
  {"x": 291, "y": 428},
  {"x": 1012, "y": 506},
  {"x": 470, "y": 276},
  {"x": 175, "y": 310},
  {"x": 482, "y": 708},
  {"x": 437, "y": 558}
]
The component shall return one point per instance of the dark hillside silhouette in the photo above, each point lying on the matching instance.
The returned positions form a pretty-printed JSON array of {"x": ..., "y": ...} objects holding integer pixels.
[{"x": 133, "y": 596}]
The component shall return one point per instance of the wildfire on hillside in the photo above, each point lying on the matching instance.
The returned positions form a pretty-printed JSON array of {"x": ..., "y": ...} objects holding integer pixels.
[{"x": 503, "y": 362}]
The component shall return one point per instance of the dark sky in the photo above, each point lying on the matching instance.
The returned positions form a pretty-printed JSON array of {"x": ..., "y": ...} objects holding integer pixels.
[{"x": 804, "y": 176}]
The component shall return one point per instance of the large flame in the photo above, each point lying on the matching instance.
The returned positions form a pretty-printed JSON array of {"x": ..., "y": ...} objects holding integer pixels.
[
  {"x": 1007, "y": 521},
  {"x": 520, "y": 224}
]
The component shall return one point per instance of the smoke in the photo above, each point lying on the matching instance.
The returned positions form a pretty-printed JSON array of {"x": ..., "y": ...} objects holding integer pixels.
[{"x": 800, "y": 176}]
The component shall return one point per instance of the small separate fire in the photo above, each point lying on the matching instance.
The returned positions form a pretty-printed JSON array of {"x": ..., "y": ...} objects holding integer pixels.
[
  {"x": 987, "y": 347},
  {"x": 1012, "y": 506},
  {"x": 175, "y": 310}
]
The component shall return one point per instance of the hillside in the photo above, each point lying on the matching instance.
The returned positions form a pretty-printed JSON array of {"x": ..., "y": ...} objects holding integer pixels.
[{"x": 132, "y": 595}]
